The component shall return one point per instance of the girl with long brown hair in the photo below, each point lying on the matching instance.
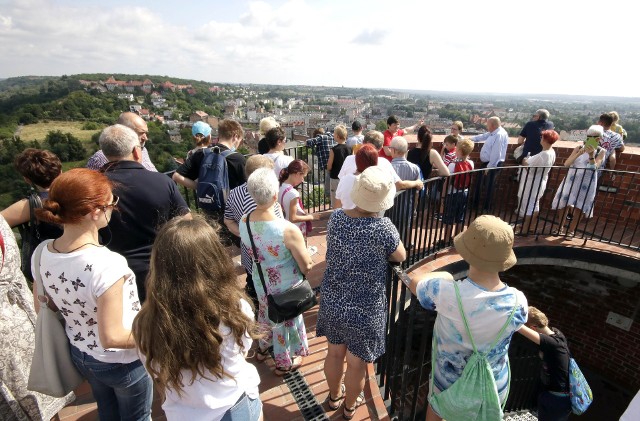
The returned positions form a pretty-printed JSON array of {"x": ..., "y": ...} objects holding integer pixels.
[
  {"x": 196, "y": 327},
  {"x": 96, "y": 293}
]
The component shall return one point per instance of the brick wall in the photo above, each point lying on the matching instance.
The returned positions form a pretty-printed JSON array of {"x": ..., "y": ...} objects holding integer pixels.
[
  {"x": 577, "y": 302},
  {"x": 610, "y": 207}
]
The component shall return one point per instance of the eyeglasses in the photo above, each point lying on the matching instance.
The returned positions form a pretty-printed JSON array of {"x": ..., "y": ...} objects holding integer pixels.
[{"x": 113, "y": 204}]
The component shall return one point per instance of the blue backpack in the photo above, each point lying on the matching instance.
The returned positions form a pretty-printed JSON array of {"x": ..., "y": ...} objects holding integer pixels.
[{"x": 213, "y": 180}]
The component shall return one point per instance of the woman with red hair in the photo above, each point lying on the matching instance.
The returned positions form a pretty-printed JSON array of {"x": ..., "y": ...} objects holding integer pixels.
[
  {"x": 367, "y": 156},
  {"x": 96, "y": 293},
  {"x": 533, "y": 185}
]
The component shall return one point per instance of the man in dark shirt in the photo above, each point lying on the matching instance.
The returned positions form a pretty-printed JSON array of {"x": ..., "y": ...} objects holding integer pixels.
[
  {"x": 147, "y": 200},
  {"x": 531, "y": 134},
  {"x": 230, "y": 134},
  {"x": 554, "y": 402}
]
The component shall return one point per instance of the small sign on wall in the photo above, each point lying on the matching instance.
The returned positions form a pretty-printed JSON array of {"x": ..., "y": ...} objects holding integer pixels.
[{"x": 620, "y": 321}]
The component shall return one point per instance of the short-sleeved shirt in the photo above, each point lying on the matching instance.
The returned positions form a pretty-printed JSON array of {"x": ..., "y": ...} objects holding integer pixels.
[
  {"x": 340, "y": 153},
  {"x": 75, "y": 281},
  {"x": 235, "y": 166},
  {"x": 449, "y": 156},
  {"x": 610, "y": 142},
  {"x": 452, "y": 170},
  {"x": 406, "y": 170},
  {"x": 555, "y": 362},
  {"x": 532, "y": 132},
  {"x": 147, "y": 200},
  {"x": 486, "y": 312},
  {"x": 355, "y": 140},
  {"x": 343, "y": 191},
  {"x": 388, "y": 137},
  {"x": 208, "y": 398},
  {"x": 280, "y": 161},
  {"x": 98, "y": 160}
]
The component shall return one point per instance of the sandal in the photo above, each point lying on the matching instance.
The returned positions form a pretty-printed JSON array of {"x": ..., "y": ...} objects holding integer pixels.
[
  {"x": 261, "y": 355},
  {"x": 296, "y": 363},
  {"x": 348, "y": 413},
  {"x": 334, "y": 403},
  {"x": 280, "y": 371}
]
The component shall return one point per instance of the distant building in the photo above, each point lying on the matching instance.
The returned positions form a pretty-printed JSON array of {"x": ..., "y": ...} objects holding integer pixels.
[{"x": 199, "y": 116}]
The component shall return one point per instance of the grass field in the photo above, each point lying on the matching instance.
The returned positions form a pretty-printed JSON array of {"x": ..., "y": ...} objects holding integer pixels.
[{"x": 39, "y": 131}]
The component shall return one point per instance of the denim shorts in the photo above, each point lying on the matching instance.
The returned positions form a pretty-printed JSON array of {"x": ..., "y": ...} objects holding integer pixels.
[{"x": 245, "y": 409}]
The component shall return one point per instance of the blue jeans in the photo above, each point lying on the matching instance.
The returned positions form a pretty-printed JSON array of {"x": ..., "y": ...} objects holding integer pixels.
[
  {"x": 246, "y": 409},
  {"x": 122, "y": 391},
  {"x": 552, "y": 407}
]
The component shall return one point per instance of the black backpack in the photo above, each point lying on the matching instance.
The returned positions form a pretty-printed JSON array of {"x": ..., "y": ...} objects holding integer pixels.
[{"x": 213, "y": 180}]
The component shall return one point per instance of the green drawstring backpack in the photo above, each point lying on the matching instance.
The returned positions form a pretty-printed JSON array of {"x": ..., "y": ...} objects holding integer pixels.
[{"x": 474, "y": 396}]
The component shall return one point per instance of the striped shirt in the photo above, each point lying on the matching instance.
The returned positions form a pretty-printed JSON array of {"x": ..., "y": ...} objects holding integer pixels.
[
  {"x": 238, "y": 204},
  {"x": 98, "y": 160},
  {"x": 406, "y": 170}
]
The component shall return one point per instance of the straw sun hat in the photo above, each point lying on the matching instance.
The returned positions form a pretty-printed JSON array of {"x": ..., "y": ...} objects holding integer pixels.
[
  {"x": 487, "y": 244},
  {"x": 373, "y": 190}
]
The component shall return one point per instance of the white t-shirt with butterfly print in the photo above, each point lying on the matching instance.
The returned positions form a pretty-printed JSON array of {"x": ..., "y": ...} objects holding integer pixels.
[{"x": 74, "y": 281}]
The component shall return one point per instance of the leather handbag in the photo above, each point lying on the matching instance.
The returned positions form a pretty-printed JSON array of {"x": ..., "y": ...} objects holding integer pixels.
[
  {"x": 52, "y": 370},
  {"x": 290, "y": 303}
]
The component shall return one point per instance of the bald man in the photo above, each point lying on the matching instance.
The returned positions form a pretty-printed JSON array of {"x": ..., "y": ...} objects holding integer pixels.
[
  {"x": 492, "y": 154},
  {"x": 138, "y": 125}
]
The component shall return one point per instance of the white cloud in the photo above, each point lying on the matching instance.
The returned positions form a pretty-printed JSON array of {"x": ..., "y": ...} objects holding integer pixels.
[{"x": 503, "y": 46}]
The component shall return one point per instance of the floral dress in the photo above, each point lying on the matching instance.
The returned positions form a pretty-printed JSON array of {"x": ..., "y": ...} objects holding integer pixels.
[
  {"x": 17, "y": 342},
  {"x": 578, "y": 189},
  {"x": 281, "y": 272}
]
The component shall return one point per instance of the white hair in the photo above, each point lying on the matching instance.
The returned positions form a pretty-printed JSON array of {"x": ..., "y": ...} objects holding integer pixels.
[
  {"x": 267, "y": 124},
  {"x": 118, "y": 141},
  {"x": 595, "y": 130},
  {"x": 400, "y": 145},
  {"x": 262, "y": 186},
  {"x": 543, "y": 114}
]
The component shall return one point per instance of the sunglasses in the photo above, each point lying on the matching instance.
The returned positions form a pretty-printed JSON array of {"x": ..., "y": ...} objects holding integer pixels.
[{"x": 113, "y": 204}]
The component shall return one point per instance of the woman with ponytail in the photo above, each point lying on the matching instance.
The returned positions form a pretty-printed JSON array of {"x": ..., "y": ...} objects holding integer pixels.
[
  {"x": 96, "y": 293},
  {"x": 289, "y": 198}
]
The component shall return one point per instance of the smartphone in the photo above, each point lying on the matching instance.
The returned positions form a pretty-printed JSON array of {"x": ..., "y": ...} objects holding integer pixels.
[{"x": 591, "y": 141}]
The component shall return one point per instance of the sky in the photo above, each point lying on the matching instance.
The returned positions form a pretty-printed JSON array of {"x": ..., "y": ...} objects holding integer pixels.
[{"x": 536, "y": 47}]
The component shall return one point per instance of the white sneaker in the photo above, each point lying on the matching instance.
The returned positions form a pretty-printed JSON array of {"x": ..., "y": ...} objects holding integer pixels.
[{"x": 312, "y": 250}]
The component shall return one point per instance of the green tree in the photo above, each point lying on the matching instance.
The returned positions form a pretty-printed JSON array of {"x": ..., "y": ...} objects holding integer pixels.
[{"x": 381, "y": 125}]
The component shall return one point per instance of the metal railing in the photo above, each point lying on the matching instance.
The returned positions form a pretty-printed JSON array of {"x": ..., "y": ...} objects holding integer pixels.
[
  {"x": 312, "y": 192},
  {"x": 427, "y": 222}
]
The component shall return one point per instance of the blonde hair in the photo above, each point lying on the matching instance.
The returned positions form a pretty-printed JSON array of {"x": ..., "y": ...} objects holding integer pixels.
[
  {"x": 537, "y": 318},
  {"x": 458, "y": 124},
  {"x": 257, "y": 161},
  {"x": 267, "y": 124},
  {"x": 466, "y": 147},
  {"x": 340, "y": 132}
]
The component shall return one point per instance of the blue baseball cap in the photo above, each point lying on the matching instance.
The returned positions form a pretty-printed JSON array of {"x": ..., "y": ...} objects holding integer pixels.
[{"x": 200, "y": 127}]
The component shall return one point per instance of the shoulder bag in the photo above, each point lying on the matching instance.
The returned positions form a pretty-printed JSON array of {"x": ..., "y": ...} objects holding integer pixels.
[
  {"x": 290, "y": 303},
  {"x": 579, "y": 390},
  {"x": 52, "y": 370}
]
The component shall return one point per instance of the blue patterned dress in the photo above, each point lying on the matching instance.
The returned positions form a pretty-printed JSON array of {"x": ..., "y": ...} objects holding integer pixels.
[
  {"x": 281, "y": 272},
  {"x": 353, "y": 302}
]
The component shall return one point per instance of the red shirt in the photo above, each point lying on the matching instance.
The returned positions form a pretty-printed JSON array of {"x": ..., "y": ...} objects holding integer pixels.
[{"x": 387, "y": 141}]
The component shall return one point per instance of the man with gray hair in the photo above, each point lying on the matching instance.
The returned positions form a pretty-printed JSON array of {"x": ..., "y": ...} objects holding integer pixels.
[
  {"x": 147, "y": 200},
  {"x": 139, "y": 126},
  {"x": 531, "y": 134},
  {"x": 492, "y": 154},
  {"x": 376, "y": 138}
]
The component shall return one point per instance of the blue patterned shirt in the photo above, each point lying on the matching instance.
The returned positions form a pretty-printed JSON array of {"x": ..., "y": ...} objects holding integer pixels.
[{"x": 486, "y": 312}]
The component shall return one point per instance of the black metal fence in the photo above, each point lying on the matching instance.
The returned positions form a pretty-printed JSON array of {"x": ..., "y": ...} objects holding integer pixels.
[{"x": 429, "y": 219}]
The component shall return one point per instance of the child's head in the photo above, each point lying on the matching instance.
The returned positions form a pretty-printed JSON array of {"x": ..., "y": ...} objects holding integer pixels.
[
  {"x": 399, "y": 146},
  {"x": 487, "y": 245},
  {"x": 537, "y": 319},
  {"x": 340, "y": 133},
  {"x": 450, "y": 142},
  {"x": 464, "y": 148},
  {"x": 297, "y": 169}
]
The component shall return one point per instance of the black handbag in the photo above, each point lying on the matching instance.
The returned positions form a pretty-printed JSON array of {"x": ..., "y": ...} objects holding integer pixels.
[
  {"x": 290, "y": 303},
  {"x": 30, "y": 235}
]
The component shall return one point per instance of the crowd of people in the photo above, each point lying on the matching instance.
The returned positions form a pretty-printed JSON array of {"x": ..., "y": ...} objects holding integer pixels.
[{"x": 150, "y": 297}]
